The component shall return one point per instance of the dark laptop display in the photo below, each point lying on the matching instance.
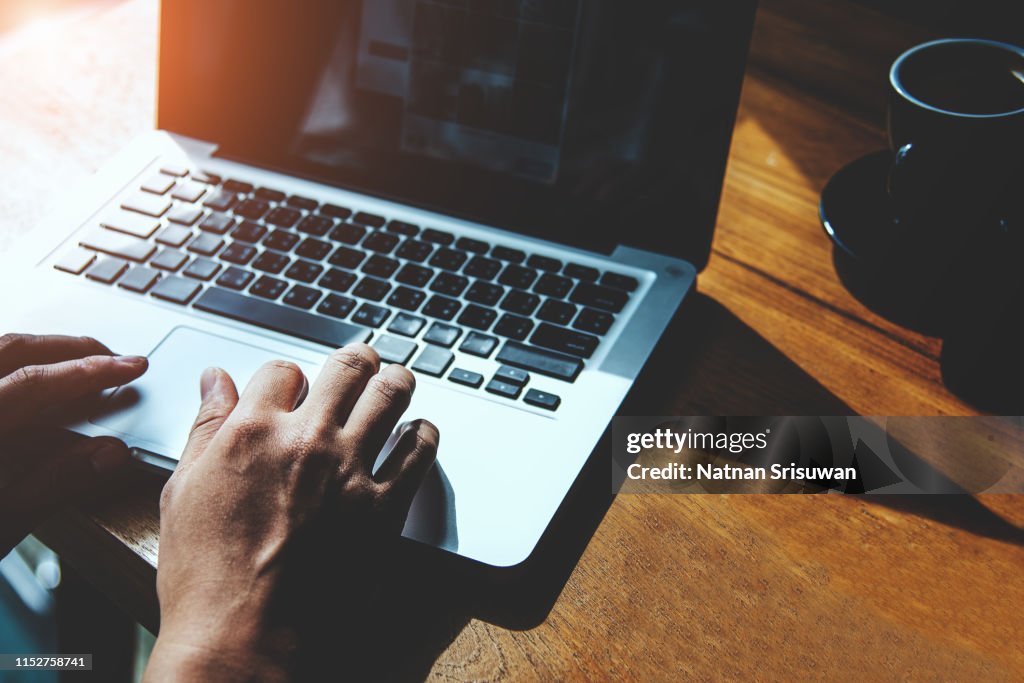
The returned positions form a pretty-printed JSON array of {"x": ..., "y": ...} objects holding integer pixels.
[{"x": 591, "y": 123}]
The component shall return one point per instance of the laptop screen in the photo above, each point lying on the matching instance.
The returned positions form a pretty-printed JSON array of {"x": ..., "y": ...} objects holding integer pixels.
[{"x": 587, "y": 122}]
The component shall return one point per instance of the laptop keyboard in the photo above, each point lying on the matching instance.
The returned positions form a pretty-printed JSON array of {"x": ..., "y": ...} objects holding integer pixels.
[{"x": 334, "y": 274}]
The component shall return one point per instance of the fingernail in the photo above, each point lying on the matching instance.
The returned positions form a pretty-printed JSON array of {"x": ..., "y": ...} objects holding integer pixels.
[
  {"x": 207, "y": 381},
  {"x": 133, "y": 361},
  {"x": 107, "y": 457}
]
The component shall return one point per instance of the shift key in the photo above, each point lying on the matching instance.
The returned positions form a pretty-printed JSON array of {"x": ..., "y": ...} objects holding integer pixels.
[
  {"x": 542, "y": 361},
  {"x": 118, "y": 244}
]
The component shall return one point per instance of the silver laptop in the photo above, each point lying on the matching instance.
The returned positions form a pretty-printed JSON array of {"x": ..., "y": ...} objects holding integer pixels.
[{"x": 509, "y": 198}]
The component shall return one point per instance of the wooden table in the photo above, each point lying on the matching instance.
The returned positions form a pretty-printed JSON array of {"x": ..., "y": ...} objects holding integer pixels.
[{"x": 647, "y": 586}]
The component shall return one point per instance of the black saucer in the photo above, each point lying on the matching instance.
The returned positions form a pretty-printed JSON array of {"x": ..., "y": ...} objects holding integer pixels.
[{"x": 856, "y": 211}]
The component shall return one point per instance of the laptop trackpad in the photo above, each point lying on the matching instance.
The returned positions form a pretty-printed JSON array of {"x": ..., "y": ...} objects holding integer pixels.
[{"x": 156, "y": 412}]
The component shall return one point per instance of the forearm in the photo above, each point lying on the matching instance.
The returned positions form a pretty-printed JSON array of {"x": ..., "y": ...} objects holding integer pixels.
[{"x": 175, "y": 661}]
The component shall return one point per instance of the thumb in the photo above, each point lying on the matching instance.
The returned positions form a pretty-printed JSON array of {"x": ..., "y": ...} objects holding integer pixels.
[{"x": 219, "y": 398}]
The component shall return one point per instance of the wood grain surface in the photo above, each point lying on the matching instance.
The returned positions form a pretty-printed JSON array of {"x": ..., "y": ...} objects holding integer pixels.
[{"x": 648, "y": 587}]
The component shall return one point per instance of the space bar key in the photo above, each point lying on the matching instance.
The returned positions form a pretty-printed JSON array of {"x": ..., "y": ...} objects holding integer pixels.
[{"x": 332, "y": 333}]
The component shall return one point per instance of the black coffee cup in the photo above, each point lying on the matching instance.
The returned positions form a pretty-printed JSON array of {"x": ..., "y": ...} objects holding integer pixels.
[{"x": 956, "y": 131}]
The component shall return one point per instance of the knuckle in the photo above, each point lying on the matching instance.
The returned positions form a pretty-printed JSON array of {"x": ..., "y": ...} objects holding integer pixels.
[
  {"x": 250, "y": 430},
  {"x": 284, "y": 366},
  {"x": 210, "y": 417},
  {"x": 358, "y": 358},
  {"x": 11, "y": 342},
  {"x": 26, "y": 377},
  {"x": 389, "y": 388}
]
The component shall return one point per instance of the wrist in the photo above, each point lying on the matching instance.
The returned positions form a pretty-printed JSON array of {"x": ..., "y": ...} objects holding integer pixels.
[{"x": 175, "y": 660}]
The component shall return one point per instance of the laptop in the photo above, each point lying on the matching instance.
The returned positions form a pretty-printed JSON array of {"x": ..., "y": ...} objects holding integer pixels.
[{"x": 511, "y": 198}]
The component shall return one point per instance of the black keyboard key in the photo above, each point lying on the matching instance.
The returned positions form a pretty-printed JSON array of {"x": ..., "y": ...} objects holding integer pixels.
[
  {"x": 313, "y": 248},
  {"x": 414, "y": 250},
  {"x": 221, "y": 201},
  {"x": 394, "y": 350},
  {"x": 542, "y": 361},
  {"x": 496, "y": 386},
  {"x": 283, "y": 217},
  {"x": 335, "y": 211},
  {"x": 470, "y": 244},
  {"x": 174, "y": 235},
  {"x": 507, "y": 373},
  {"x": 406, "y": 298},
  {"x": 235, "y": 278},
  {"x": 337, "y": 280},
  {"x": 466, "y": 378},
  {"x": 270, "y": 262},
  {"x": 564, "y": 340},
  {"x": 106, "y": 270},
  {"x": 442, "y": 335},
  {"x": 301, "y": 296},
  {"x": 348, "y": 233},
  {"x": 517, "y": 276},
  {"x": 252, "y": 209},
  {"x": 175, "y": 289},
  {"x": 75, "y": 261},
  {"x": 249, "y": 232},
  {"x": 619, "y": 281},
  {"x": 371, "y": 288},
  {"x": 131, "y": 223},
  {"x": 184, "y": 214},
  {"x": 370, "y": 315},
  {"x": 381, "y": 242},
  {"x": 403, "y": 228},
  {"x": 238, "y": 253},
  {"x": 441, "y": 307},
  {"x": 139, "y": 279},
  {"x": 148, "y": 204},
  {"x": 437, "y": 236},
  {"x": 267, "y": 193},
  {"x": 579, "y": 272},
  {"x": 217, "y": 223},
  {"x": 433, "y": 361},
  {"x": 448, "y": 259},
  {"x": 590, "y": 320},
  {"x": 479, "y": 345},
  {"x": 268, "y": 287},
  {"x": 485, "y": 293},
  {"x": 507, "y": 254},
  {"x": 482, "y": 268},
  {"x": 336, "y": 306},
  {"x": 547, "y": 263},
  {"x": 346, "y": 257},
  {"x": 406, "y": 325},
  {"x": 553, "y": 285},
  {"x": 370, "y": 219},
  {"x": 278, "y": 318},
  {"x": 513, "y": 327},
  {"x": 414, "y": 275},
  {"x": 557, "y": 312},
  {"x": 599, "y": 296},
  {"x": 542, "y": 399},
  {"x": 380, "y": 266},
  {"x": 520, "y": 302},
  {"x": 316, "y": 225},
  {"x": 281, "y": 240},
  {"x": 202, "y": 269},
  {"x": 239, "y": 186},
  {"x": 449, "y": 283},
  {"x": 169, "y": 259},
  {"x": 204, "y": 177},
  {"x": 302, "y": 202},
  {"x": 118, "y": 244},
  {"x": 477, "y": 317},
  {"x": 304, "y": 271}
]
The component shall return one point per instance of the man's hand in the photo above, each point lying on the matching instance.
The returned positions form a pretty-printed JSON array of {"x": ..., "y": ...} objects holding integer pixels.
[
  {"x": 273, "y": 497},
  {"x": 40, "y": 467}
]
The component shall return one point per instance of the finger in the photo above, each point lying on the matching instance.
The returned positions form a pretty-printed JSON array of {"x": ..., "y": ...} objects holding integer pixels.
[
  {"x": 219, "y": 398},
  {"x": 28, "y": 390},
  {"x": 409, "y": 461},
  {"x": 341, "y": 381},
  {"x": 65, "y": 478},
  {"x": 276, "y": 387},
  {"x": 378, "y": 409},
  {"x": 19, "y": 350}
]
